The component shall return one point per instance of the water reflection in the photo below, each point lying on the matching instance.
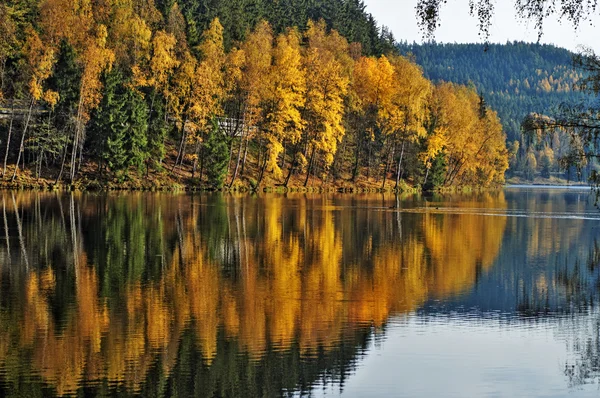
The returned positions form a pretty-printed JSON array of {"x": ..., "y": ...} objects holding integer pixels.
[{"x": 261, "y": 296}]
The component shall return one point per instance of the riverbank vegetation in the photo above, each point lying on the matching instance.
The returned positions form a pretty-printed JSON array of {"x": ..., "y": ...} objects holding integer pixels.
[
  {"x": 517, "y": 80},
  {"x": 98, "y": 93}
]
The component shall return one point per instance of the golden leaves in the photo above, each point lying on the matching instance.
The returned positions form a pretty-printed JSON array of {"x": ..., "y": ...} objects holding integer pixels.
[
  {"x": 284, "y": 98},
  {"x": 475, "y": 143},
  {"x": 40, "y": 61},
  {"x": 328, "y": 71},
  {"x": 96, "y": 58}
]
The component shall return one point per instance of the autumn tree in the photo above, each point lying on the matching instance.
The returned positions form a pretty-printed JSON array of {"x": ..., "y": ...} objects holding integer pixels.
[
  {"x": 257, "y": 52},
  {"x": 327, "y": 79},
  {"x": 475, "y": 147},
  {"x": 9, "y": 42},
  {"x": 210, "y": 90},
  {"x": 198, "y": 90},
  {"x": 40, "y": 60},
  {"x": 155, "y": 76},
  {"x": 96, "y": 58},
  {"x": 374, "y": 87},
  {"x": 129, "y": 33},
  {"x": 410, "y": 100},
  {"x": 281, "y": 118},
  {"x": 74, "y": 22}
]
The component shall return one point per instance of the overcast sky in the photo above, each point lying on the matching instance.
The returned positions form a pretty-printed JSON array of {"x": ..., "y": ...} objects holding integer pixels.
[{"x": 458, "y": 26}]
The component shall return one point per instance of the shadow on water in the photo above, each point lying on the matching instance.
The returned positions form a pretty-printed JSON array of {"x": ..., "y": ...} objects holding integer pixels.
[{"x": 230, "y": 295}]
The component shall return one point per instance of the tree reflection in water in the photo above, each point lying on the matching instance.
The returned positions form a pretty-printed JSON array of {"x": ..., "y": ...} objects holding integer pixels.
[{"x": 227, "y": 295}]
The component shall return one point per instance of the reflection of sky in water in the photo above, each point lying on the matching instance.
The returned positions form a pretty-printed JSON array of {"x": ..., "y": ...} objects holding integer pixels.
[
  {"x": 520, "y": 330},
  {"x": 462, "y": 356}
]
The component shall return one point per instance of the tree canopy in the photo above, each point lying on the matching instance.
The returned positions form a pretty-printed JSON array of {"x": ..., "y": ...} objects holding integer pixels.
[{"x": 213, "y": 93}]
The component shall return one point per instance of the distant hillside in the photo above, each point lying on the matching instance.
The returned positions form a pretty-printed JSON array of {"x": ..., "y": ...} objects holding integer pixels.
[{"x": 514, "y": 78}]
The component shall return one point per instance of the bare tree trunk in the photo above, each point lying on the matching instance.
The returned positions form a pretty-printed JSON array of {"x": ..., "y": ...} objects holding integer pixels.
[
  {"x": 237, "y": 164},
  {"x": 291, "y": 170},
  {"x": 201, "y": 167},
  {"x": 182, "y": 158},
  {"x": 81, "y": 141},
  {"x": 74, "y": 152},
  {"x": 244, "y": 158},
  {"x": 355, "y": 170},
  {"x": 38, "y": 165},
  {"x": 388, "y": 164},
  {"x": 262, "y": 169},
  {"x": 339, "y": 158},
  {"x": 21, "y": 146},
  {"x": 12, "y": 118},
  {"x": 284, "y": 153},
  {"x": 457, "y": 170},
  {"x": 78, "y": 128},
  {"x": 230, "y": 155},
  {"x": 400, "y": 165},
  {"x": 197, "y": 152},
  {"x": 62, "y": 164},
  {"x": 181, "y": 145},
  {"x": 310, "y": 164}
]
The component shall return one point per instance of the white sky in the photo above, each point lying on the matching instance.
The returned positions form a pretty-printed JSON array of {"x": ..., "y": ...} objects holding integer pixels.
[{"x": 459, "y": 27}]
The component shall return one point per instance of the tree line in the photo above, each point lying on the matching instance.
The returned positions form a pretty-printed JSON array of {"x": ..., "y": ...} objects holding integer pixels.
[{"x": 121, "y": 88}]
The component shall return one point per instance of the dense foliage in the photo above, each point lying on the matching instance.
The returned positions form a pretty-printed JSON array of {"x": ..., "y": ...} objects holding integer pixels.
[{"x": 219, "y": 94}]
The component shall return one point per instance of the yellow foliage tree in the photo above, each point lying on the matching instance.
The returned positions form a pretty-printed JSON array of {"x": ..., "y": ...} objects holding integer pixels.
[
  {"x": 281, "y": 117},
  {"x": 475, "y": 146},
  {"x": 412, "y": 92},
  {"x": 198, "y": 90},
  {"x": 327, "y": 78},
  {"x": 129, "y": 33},
  {"x": 209, "y": 88},
  {"x": 374, "y": 90},
  {"x": 40, "y": 60},
  {"x": 257, "y": 52},
  {"x": 95, "y": 58}
]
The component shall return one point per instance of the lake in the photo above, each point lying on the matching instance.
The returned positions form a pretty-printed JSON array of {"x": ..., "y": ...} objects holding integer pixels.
[{"x": 487, "y": 294}]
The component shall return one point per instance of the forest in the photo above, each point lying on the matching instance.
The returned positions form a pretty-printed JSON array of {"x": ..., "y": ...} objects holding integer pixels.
[
  {"x": 238, "y": 94},
  {"x": 516, "y": 79}
]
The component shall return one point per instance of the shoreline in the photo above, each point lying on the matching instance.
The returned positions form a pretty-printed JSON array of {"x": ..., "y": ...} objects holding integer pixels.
[
  {"x": 158, "y": 182},
  {"x": 27, "y": 183},
  {"x": 548, "y": 186},
  {"x": 95, "y": 186}
]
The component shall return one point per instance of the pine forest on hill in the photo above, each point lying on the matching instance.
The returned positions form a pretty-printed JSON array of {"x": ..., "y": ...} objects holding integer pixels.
[
  {"x": 515, "y": 79},
  {"x": 238, "y": 93}
]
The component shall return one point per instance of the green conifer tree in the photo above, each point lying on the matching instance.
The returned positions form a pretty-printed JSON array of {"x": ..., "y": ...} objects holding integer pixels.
[
  {"x": 119, "y": 126},
  {"x": 216, "y": 156}
]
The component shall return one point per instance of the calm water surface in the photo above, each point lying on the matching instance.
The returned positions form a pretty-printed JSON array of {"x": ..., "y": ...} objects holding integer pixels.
[{"x": 491, "y": 294}]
